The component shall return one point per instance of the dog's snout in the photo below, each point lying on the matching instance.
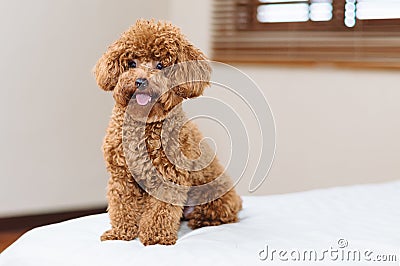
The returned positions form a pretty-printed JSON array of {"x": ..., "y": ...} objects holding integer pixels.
[{"x": 141, "y": 83}]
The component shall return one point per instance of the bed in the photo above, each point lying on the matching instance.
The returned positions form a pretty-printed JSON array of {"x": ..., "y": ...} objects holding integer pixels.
[{"x": 305, "y": 228}]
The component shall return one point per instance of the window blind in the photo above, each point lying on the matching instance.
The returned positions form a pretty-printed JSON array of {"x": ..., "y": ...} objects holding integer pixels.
[{"x": 363, "y": 32}]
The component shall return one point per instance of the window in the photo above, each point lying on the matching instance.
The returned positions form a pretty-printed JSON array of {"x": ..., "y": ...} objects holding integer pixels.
[
  {"x": 294, "y": 11},
  {"x": 363, "y": 32}
]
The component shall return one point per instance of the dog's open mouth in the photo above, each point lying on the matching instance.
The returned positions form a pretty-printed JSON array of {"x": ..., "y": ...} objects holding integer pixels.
[{"x": 143, "y": 98}]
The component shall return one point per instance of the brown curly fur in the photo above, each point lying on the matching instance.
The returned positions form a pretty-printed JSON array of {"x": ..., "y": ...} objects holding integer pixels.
[{"x": 133, "y": 212}]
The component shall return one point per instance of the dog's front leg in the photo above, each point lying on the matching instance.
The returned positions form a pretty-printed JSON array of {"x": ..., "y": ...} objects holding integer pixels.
[
  {"x": 125, "y": 203},
  {"x": 159, "y": 223}
]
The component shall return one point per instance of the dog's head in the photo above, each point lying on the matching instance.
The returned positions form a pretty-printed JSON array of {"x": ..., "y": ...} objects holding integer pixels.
[{"x": 153, "y": 64}]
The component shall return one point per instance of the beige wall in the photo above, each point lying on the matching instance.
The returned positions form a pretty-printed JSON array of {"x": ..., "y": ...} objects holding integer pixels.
[
  {"x": 334, "y": 127},
  {"x": 53, "y": 115}
]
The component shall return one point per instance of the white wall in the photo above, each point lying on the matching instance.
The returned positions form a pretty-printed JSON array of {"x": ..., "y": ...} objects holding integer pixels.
[{"x": 334, "y": 127}]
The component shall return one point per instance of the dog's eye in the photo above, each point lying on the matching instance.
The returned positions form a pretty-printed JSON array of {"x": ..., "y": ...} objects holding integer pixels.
[
  {"x": 159, "y": 66},
  {"x": 132, "y": 64}
]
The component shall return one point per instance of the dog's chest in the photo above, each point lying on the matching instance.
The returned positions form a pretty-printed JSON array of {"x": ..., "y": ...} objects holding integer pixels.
[
  {"x": 149, "y": 149},
  {"x": 137, "y": 151}
]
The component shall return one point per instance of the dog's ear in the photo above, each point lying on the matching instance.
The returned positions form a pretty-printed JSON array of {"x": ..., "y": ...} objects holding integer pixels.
[
  {"x": 108, "y": 68},
  {"x": 192, "y": 72}
]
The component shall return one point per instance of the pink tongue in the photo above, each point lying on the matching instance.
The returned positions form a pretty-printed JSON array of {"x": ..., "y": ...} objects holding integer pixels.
[{"x": 143, "y": 99}]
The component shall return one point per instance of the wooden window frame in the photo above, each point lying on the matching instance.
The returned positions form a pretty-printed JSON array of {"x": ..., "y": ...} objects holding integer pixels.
[{"x": 240, "y": 38}]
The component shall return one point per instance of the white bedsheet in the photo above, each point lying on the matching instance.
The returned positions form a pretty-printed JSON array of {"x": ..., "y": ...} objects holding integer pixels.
[{"x": 366, "y": 217}]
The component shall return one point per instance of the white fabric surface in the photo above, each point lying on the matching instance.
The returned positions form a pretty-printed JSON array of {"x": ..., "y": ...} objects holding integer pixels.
[{"x": 367, "y": 216}]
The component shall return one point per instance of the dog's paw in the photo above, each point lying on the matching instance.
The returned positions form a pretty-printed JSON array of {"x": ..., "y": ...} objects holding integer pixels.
[
  {"x": 197, "y": 223},
  {"x": 198, "y": 218},
  {"x": 112, "y": 234},
  {"x": 109, "y": 235},
  {"x": 152, "y": 236},
  {"x": 153, "y": 239}
]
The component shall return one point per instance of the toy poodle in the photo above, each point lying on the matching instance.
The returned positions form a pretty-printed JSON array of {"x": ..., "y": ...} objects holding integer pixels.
[{"x": 154, "y": 156}]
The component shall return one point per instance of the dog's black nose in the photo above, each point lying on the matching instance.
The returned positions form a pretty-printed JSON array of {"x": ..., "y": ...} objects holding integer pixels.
[{"x": 141, "y": 84}]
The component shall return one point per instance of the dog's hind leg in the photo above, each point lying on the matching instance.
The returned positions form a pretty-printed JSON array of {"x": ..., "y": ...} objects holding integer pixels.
[{"x": 220, "y": 211}]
